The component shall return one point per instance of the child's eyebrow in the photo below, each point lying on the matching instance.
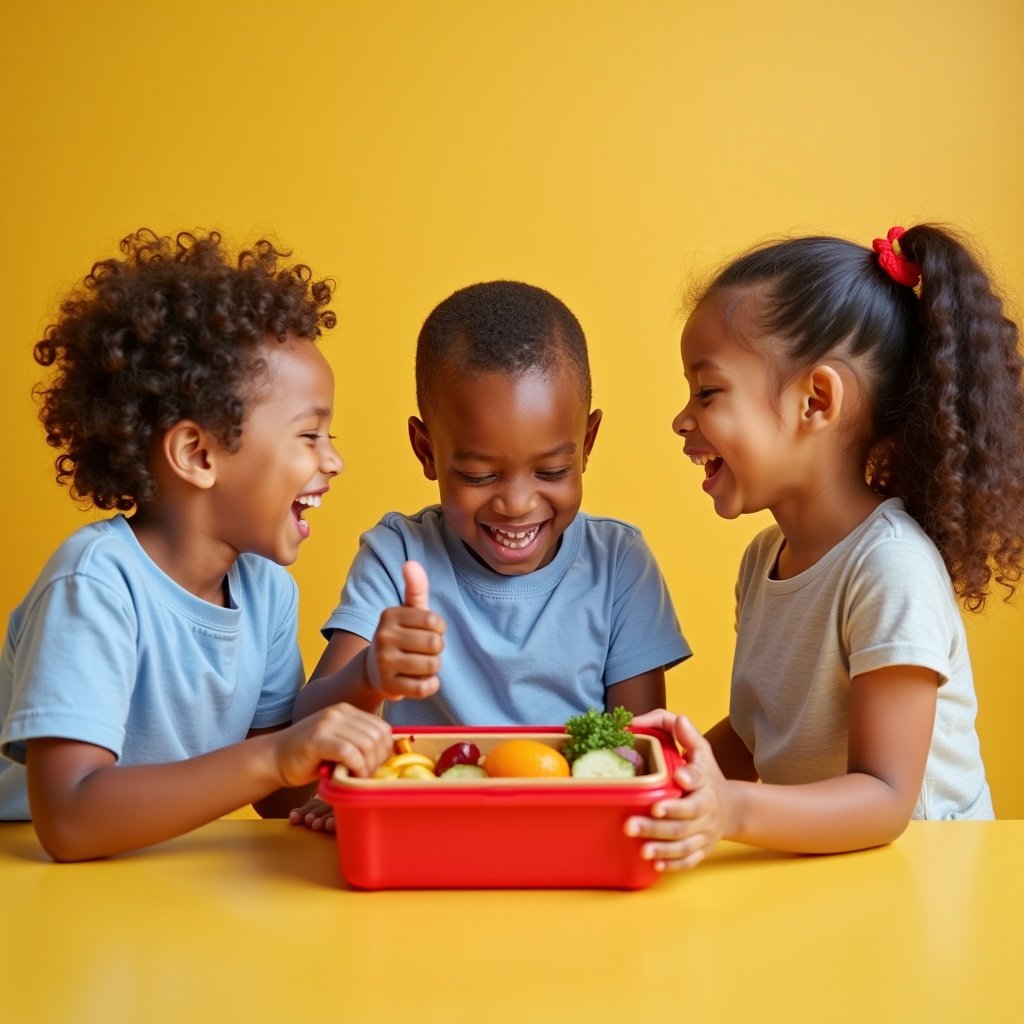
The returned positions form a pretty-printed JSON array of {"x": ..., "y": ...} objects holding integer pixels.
[
  {"x": 569, "y": 448},
  {"x": 704, "y": 364},
  {"x": 317, "y": 411}
]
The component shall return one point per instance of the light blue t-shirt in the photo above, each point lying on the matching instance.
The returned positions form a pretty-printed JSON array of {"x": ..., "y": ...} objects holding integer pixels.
[
  {"x": 519, "y": 650},
  {"x": 107, "y": 649}
]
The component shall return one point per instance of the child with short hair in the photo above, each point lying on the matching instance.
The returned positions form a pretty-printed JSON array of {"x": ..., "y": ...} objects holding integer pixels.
[
  {"x": 192, "y": 391},
  {"x": 872, "y": 401},
  {"x": 542, "y": 611}
]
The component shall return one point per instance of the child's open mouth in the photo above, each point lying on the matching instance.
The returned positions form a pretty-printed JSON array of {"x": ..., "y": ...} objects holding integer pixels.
[
  {"x": 299, "y": 505},
  {"x": 517, "y": 543},
  {"x": 711, "y": 462}
]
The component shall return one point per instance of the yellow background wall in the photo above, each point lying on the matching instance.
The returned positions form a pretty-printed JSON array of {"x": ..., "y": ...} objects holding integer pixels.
[{"x": 606, "y": 151}]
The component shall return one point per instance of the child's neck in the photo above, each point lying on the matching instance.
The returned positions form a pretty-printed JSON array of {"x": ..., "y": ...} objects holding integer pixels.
[
  {"x": 197, "y": 563},
  {"x": 814, "y": 525}
]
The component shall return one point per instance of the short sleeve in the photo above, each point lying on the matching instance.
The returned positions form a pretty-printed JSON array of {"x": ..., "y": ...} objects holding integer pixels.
[
  {"x": 899, "y": 610},
  {"x": 74, "y": 667},
  {"x": 645, "y": 631},
  {"x": 373, "y": 583}
]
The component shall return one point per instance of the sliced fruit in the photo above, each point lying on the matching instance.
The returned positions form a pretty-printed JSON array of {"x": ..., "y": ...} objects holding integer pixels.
[
  {"x": 402, "y": 761},
  {"x": 602, "y": 764},
  {"x": 464, "y": 771}
]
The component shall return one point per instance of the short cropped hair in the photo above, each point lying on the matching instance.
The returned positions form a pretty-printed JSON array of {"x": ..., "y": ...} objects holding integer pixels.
[
  {"x": 171, "y": 331},
  {"x": 500, "y": 327}
]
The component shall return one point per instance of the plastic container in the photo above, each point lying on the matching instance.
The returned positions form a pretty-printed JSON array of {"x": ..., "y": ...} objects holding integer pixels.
[{"x": 497, "y": 833}]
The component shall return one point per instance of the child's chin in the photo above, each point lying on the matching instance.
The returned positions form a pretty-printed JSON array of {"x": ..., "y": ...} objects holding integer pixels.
[{"x": 518, "y": 566}]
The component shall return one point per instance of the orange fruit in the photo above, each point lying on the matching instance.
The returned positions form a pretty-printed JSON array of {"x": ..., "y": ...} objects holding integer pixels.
[{"x": 525, "y": 759}]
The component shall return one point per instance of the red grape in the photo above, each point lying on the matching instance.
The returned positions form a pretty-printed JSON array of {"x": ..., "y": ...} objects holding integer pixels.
[{"x": 457, "y": 753}]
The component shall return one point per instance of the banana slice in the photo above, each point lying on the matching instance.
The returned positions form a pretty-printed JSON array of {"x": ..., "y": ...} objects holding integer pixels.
[{"x": 402, "y": 761}]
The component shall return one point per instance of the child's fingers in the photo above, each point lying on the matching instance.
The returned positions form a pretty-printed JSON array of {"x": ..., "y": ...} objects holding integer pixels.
[
  {"x": 679, "y": 727},
  {"x": 407, "y": 674},
  {"x": 393, "y": 621},
  {"x": 297, "y": 815},
  {"x": 676, "y": 856},
  {"x": 674, "y": 820},
  {"x": 688, "y": 735},
  {"x": 314, "y": 814},
  {"x": 411, "y": 666},
  {"x": 412, "y": 636},
  {"x": 354, "y": 738},
  {"x": 320, "y": 822},
  {"x": 416, "y": 687},
  {"x": 688, "y": 777},
  {"x": 657, "y": 719},
  {"x": 417, "y": 590},
  {"x": 674, "y": 849}
]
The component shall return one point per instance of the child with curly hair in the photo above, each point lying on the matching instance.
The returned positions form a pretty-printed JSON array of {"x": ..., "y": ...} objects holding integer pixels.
[
  {"x": 189, "y": 388},
  {"x": 872, "y": 402}
]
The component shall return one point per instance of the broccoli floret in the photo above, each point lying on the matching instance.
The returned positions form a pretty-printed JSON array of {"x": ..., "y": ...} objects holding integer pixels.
[{"x": 598, "y": 730}]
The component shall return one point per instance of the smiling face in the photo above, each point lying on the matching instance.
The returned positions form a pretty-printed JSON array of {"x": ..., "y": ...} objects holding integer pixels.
[
  {"x": 286, "y": 459},
  {"x": 735, "y": 425},
  {"x": 508, "y": 453}
]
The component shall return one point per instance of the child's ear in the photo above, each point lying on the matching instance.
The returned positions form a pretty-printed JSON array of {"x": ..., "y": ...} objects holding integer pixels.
[
  {"x": 419, "y": 438},
  {"x": 821, "y": 398},
  {"x": 593, "y": 423},
  {"x": 187, "y": 450}
]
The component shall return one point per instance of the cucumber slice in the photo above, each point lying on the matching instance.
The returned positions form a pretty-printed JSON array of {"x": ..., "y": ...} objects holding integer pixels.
[
  {"x": 464, "y": 771},
  {"x": 602, "y": 764}
]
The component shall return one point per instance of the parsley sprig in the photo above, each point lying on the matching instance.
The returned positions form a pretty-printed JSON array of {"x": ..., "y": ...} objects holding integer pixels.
[{"x": 598, "y": 730}]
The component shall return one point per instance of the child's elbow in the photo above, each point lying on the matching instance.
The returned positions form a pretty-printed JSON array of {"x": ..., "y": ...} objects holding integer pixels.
[
  {"x": 892, "y": 818},
  {"x": 65, "y": 843}
]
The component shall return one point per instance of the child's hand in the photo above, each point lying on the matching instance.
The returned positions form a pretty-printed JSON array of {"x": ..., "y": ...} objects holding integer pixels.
[
  {"x": 339, "y": 733},
  {"x": 404, "y": 658},
  {"x": 687, "y": 829},
  {"x": 314, "y": 814}
]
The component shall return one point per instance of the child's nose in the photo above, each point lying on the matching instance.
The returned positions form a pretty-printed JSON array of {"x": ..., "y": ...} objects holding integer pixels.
[
  {"x": 515, "y": 500},
  {"x": 684, "y": 422},
  {"x": 332, "y": 463}
]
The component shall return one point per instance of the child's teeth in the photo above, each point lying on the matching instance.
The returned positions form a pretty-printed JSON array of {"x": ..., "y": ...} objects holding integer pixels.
[
  {"x": 311, "y": 500},
  {"x": 510, "y": 539},
  {"x": 702, "y": 459}
]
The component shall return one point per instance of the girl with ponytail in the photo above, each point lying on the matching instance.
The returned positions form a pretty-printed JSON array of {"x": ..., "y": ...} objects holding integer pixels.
[{"x": 871, "y": 400}]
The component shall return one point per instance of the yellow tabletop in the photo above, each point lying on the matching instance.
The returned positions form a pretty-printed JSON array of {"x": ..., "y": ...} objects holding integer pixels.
[{"x": 250, "y": 921}]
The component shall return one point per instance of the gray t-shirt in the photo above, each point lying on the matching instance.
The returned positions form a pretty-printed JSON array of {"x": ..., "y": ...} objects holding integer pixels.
[
  {"x": 519, "y": 650},
  {"x": 881, "y": 597}
]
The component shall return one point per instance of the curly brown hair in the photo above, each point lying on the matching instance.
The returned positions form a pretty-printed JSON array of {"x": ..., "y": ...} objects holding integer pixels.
[
  {"x": 942, "y": 369},
  {"x": 172, "y": 331}
]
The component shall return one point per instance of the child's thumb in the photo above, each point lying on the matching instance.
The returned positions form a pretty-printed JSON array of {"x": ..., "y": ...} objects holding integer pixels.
[
  {"x": 416, "y": 586},
  {"x": 688, "y": 735}
]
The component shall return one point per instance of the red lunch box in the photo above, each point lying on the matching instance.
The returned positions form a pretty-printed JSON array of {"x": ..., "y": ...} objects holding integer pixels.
[{"x": 501, "y": 832}]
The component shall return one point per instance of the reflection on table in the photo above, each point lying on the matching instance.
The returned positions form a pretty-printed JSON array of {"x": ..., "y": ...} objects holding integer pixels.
[{"x": 250, "y": 921}]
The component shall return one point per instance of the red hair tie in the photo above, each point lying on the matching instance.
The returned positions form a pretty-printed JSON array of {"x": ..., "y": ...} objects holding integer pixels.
[{"x": 893, "y": 261}]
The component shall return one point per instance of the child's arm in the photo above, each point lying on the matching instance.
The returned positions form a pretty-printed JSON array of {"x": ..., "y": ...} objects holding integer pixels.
[
  {"x": 640, "y": 694},
  {"x": 402, "y": 661},
  {"x": 84, "y": 805},
  {"x": 735, "y": 761},
  {"x": 892, "y": 715}
]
